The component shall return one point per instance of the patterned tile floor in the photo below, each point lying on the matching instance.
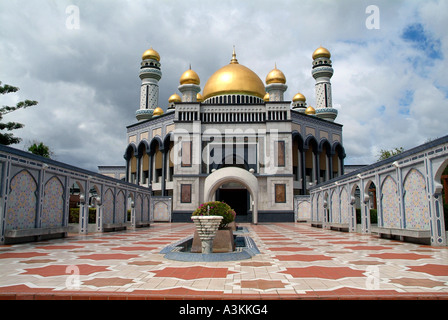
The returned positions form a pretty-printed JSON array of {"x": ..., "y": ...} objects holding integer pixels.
[{"x": 296, "y": 262}]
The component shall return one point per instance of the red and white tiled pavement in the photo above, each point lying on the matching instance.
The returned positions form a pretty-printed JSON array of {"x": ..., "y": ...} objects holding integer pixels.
[{"x": 296, "y": 262}]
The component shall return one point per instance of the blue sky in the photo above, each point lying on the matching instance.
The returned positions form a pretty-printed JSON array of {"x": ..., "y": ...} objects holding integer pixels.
[{"x": 389, "y": 85}]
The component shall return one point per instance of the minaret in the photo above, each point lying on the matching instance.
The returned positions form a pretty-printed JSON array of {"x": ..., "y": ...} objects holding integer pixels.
[
  {"x": 322, "y": 72},
  {"x": 150, "y": 74},
  {"x": 276, "y": 84},
  {"x": 189, "y": 86},
  {"x": 299, "y": 103}
]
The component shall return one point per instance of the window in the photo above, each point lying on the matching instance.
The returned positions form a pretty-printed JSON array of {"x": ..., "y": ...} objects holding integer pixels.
[
  {"x": 280, "y": 193},
  {"x": 186, "y": 154},
  {"x": 280, "y": 152},
  {"x": 185, "y": 193}
]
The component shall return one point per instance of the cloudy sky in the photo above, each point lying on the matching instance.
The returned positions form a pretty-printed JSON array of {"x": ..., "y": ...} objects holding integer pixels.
[{"x": 390, "y": 84}]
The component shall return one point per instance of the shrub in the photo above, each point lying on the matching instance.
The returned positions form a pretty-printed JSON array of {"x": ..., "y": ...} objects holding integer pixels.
[{"x": 216, "y": 208}]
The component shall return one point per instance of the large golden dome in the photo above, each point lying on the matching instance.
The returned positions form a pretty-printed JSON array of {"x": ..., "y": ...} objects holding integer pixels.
[
  {"x": 151, "y": 54},
  {"x": 234, "y": 78}
]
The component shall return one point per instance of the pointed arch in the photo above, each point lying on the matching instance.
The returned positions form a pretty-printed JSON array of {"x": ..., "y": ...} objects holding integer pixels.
[
  {"x": 22, "y": 202},
  {"x": 335, "y": 207},
  {"x": 389, "y": 203},
  {"x": 53, "y": 205},
  {"x": 120, "y": 207},
  {"x": 155, "y": 142},
  {"x": 143, "y": 148},
  {"x": 311, "y": 141},
  {"x": 108, "y": 207},
  {"x": 416, "y": 206},
  {"x": 345, "y": 205},
  {"x": 131, "y": 151}
]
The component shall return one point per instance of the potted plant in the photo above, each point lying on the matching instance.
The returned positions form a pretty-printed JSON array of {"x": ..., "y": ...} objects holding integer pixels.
[{"x": 222, "y": 240}]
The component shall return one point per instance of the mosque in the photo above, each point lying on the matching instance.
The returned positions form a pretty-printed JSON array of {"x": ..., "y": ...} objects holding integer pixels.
[{"x": 235, "y": 139}]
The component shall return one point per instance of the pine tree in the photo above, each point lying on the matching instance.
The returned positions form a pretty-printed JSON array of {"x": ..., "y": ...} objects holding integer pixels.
[{"x": 5, "y": 137}]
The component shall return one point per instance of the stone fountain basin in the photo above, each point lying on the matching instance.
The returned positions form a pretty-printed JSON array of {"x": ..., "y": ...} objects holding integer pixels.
[{"x": 245, "y": 248}]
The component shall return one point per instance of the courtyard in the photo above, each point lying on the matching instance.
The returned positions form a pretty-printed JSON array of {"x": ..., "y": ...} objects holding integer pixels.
[{"x": 296, "y": 261}]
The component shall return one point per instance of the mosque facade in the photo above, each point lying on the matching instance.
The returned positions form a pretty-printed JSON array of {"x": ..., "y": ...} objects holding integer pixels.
[{"x": 235, "y": 139}]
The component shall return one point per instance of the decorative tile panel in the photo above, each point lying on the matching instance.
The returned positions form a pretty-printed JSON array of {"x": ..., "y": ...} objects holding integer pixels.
[
  {"x": 390, "y": 206},
  {"x": 345, "y": 207},
  {"x": 53, "y": 206},
  {"x": 120, "y": 208},
  {"x": 108, "y": 207},
  {"x": 335, "y": 207},
  {"x": 415, "y": 201},
  {"x": 21, "y": 212}
]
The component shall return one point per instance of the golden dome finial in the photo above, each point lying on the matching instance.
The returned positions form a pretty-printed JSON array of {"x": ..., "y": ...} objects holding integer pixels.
[
  {"x": 174, "y": 98},
  {"x": 275, "y": 76},
  {"x": 157, "y": 112},
  {"x": 321, "y": 52},
  {"x": 151, "y": 54},
  {"x": 299, "y": 97},
  {"x": 189, "y": 77},
  {"x": 234, "y": 60},
  {"x": 310, "y": 111}
]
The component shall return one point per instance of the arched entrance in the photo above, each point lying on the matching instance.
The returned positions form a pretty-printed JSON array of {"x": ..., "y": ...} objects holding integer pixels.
[
  {"x": 235, "y": 195},
  {"x": 233, "y": 176}
]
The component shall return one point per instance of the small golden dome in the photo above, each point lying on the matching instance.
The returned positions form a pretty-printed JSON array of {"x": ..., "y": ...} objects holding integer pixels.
[
  {"x": 299, "y": 97},
  {"x": 234, "y": 78},
  {"x": 321, "y": 52},
  {"x": 174, "y": 98},
  {"x": 151, "y": 54},
  {"x": 266, "y": 97},
  {"x": 157, "y": 111},
  {"x": 310, "y": 110},
  {"x": 275, "y": 76},
  {"x": 190, "y": 77},
  {"x": 199, "y": 97}
]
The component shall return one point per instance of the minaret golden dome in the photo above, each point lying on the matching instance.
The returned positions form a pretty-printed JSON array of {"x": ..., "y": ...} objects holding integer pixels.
[
  {"x": 299, "y": 97},
  {"x": 151, "y": 54},
  {"x": 310, "y": 110},
  {"x": 321, "y": 52},
  {"x": 275, "y": 76},
  {"x": 266, "y": 97},
  {"x": 174, "y": 98},
  {"x": 199, "y": 97},
  {"x": 157, "y": 111},
  {"x": 189, "y": 77},
  {"x": 234, "y": 78}
]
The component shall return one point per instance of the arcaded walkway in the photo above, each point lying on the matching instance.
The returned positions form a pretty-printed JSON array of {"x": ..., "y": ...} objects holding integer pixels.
[{"x": 296, "y": 262}]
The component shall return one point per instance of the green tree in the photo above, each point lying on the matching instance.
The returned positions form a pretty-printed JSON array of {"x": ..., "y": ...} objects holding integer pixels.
[
  {"x": 40, "y": 150},
  {"x": 8, "y": 138},
  {"x": 384, "y": 154}
]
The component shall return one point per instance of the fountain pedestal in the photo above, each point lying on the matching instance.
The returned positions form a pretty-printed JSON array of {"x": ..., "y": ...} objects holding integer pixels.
[{"x": 206, "y": 227}]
